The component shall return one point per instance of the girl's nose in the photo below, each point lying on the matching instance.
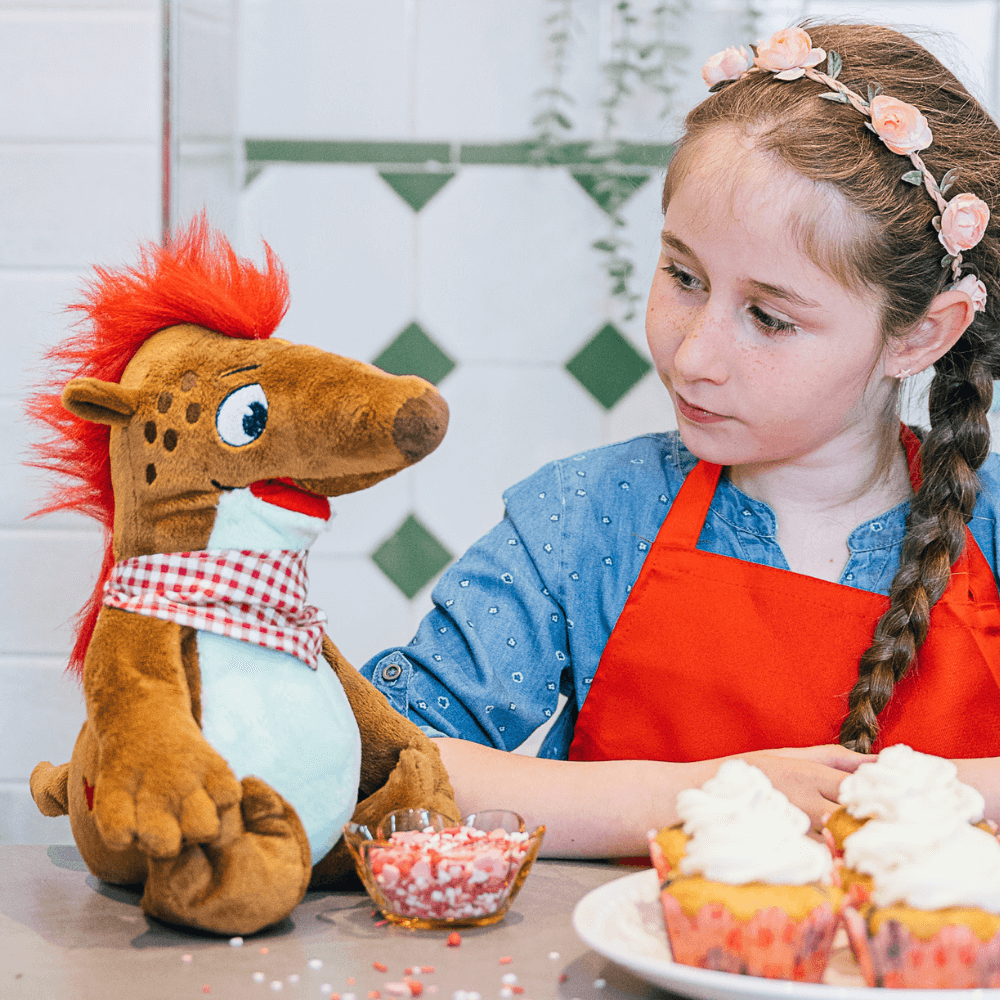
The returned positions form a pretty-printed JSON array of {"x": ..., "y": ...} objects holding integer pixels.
[{"x": 701, "y": 353}]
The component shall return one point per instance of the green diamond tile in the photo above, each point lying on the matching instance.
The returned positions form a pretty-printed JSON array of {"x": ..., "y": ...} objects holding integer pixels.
[
  {"x": 414, "y": 353},
  {"x": 610, "y": 191},
  {"x": 411, "y": 557},
  {"x": 607, "y": 366},
  {"x": 417, "y": 188}
]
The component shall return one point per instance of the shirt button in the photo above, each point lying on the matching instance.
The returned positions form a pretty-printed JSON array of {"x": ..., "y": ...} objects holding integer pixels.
[
  {"x": 877, "y": 526},
  {"x": 746, "y": 512},
  {"x": 391, "y": 671},
  {"x": 850, "y": 576}
]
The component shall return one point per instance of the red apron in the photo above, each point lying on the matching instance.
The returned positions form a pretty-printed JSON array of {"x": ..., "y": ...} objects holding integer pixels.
[{"x": 713, "y": 656}]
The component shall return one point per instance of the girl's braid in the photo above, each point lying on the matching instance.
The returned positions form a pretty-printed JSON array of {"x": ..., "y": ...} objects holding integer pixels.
[{"x": 956, "y": 445}]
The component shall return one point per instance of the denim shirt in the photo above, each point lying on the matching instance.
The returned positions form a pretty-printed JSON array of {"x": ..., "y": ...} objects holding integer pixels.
[{"x": 525, "y": 614}]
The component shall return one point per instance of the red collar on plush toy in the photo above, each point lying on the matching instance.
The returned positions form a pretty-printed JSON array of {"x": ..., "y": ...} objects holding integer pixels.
[{"x": 257, "y": 597}]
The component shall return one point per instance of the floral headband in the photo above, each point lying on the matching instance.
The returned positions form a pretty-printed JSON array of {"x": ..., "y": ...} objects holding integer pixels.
[{"x": 789, "y": 55}]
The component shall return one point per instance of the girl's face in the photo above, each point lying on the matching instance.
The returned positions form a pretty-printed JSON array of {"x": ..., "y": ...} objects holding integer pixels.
[{"x": 767, "y": 357}]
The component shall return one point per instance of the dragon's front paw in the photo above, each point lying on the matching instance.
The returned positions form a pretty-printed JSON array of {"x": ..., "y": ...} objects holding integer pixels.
[{"x": 163, "y": 796}]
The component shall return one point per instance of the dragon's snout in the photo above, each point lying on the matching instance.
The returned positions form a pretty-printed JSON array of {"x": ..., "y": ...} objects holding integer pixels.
[{"x": 420, "y": 425}]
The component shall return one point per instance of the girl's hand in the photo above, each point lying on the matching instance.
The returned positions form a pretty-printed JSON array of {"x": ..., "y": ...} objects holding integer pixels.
[{"x": 809, "y": 776}]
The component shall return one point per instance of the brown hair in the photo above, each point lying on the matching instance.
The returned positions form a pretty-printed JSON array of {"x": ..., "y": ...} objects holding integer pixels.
[{"x": 898, "y": 255}]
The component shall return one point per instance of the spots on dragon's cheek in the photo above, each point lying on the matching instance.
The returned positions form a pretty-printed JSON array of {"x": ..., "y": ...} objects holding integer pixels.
[
  {"x": 188, "y": 381},
  {"x": 150, "y": 473},
  {"x": 170, "y": 439},
  {"x": 150, "y": 431},
  {"x": 192, "y": 413},
  {"x": 163, "y": 401}
]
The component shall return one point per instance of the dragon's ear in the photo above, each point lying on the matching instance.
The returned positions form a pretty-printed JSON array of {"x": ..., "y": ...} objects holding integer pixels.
[{"x": 100, "y": 402}]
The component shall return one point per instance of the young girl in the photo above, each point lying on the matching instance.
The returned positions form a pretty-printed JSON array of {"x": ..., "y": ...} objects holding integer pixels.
[{"x": 793, "y": 577}]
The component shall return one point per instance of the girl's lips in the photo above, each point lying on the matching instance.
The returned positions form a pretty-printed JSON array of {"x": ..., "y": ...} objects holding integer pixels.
[{"x": 696, "y": 414}]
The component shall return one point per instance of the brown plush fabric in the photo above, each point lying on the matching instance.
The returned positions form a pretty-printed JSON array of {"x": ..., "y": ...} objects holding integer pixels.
[{"x": 149, "y": 799}]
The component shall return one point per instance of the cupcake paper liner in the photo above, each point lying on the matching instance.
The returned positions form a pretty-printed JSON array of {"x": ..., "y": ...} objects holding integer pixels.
[
  {"x": 953, "y": 958},
  {"x": 770, "y": 944}
]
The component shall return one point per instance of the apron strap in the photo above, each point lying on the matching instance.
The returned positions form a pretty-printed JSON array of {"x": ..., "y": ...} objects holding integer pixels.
[
  {"x": 912, "y": 445},
  {"x": 686, "y": 517}
]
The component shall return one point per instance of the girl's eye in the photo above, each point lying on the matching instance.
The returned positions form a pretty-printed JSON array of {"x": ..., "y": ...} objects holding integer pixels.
[
  {"x": 770, "y": 324},
  {"x": 681, "y": 278}
]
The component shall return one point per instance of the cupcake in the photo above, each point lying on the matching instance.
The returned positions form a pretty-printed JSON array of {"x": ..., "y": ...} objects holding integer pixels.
[
  {"x": 923, "y": 880},
  {"x": 743, "y": 887}
]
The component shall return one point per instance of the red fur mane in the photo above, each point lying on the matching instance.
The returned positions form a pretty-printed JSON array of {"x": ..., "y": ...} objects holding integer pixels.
[{"x": 196, "y": 277}]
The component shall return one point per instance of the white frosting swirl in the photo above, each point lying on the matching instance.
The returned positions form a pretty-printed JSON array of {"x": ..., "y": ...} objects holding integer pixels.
[
  {"x": 743, "y": 830},
  {"x": 919, "y": 845},
  {"x": 908, "y": 866},
  {"x": 902, "y": 785}
]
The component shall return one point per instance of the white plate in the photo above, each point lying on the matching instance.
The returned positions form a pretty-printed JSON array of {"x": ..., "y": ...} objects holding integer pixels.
[{"x": 622, "y": 920}]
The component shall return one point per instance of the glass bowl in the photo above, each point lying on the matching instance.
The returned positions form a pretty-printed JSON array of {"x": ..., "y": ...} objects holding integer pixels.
[{"x": 422, "y": 870}]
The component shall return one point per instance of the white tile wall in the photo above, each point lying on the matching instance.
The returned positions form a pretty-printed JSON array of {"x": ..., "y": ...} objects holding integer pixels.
[
  {"x": 347, "y": 241},
  {"x": 312, "y": 69},
  {"x": 507, "y": 286},
  {"x": 41, "y": 48},
  {"x": 209, "y": 161},
  {"x": 496, "y": 266},
  {"x": 80, "y": 172}
]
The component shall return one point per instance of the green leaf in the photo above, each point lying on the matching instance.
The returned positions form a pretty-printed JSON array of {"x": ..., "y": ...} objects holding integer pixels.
[
  {"x": 947, "y": 260},
  {"x": 949, "y": 178},
  {"x": 874, "y": 89},
  {"x": 914, "y": 177},
  {"x": 606, "y": 246},
  {"x": 835, "y": 95},
  {"x": 556, "y": 93},
  {"x": 834, "y": 64}
]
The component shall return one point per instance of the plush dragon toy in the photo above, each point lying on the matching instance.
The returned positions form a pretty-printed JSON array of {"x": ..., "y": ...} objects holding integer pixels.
[{"x": 226, "y": 741}]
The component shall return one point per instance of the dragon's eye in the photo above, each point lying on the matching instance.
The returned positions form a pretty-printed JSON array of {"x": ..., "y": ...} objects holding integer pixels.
[{"x": 242, "y": 415}]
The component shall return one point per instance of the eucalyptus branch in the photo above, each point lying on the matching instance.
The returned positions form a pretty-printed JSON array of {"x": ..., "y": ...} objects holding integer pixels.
[
  {"x": 553, "y": 121},
  {"x": 750, "y": 27},
  {"x": 652, "y": 65},
  {"x": 646, "y": 57}
]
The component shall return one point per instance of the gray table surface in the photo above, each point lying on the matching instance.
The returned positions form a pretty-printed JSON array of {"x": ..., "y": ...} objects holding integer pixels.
[{"x": 66, "y": 935}]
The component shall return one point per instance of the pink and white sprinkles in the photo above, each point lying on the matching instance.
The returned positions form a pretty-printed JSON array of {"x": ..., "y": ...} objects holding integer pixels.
[{"x": 457, "y": 873}]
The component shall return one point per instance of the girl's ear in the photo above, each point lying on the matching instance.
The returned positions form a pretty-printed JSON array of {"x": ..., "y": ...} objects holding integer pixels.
[{"x": 948, "y": 317}]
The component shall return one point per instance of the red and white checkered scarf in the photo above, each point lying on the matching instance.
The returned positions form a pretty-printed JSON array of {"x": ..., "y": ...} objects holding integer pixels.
[{"x": 256, "y": 597}]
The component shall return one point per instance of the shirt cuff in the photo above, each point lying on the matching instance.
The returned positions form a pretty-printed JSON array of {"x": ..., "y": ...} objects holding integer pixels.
[{"x": 391, "y": 676}]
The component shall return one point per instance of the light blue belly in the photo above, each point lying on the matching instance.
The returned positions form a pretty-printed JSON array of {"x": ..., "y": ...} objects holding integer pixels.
[{"x": 271, "y": 716}]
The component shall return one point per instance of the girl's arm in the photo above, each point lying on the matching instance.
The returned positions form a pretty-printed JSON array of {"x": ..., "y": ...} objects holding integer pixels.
[
  {"x": 984, "y": 775},
  {"x": 603, "y": 808}
]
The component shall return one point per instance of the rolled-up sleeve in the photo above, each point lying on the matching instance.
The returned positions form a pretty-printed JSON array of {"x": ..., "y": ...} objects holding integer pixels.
[
  {"x": 524, "y": 615},
  {"x": 488, "y": 661}
]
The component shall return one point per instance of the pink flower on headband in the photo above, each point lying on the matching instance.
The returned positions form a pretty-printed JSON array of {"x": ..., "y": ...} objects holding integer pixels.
[
  {"x": 974, "y": 288},
  {"x": 899, "y": 125},
  {"x": 788, "y": 54},
  {"x": 729, "y": 64},
  {"x": 963, "y": 223}
]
